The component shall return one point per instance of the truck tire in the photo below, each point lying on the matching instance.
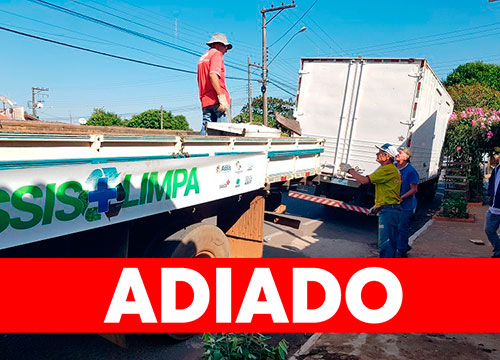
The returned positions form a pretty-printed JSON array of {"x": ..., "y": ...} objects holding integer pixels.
[
  {"x": 200, "y": 241},
  {"x": 195, "y": 241}
]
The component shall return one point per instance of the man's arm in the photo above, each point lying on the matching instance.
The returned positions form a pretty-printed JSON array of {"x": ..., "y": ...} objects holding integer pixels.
[
  {"x": 214, "y": 80},
  {"x": 413, "y": 190},
  {"x": 358, "y": 177}
]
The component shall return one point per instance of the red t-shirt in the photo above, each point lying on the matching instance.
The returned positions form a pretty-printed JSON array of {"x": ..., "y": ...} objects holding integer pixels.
[{"x": 211, "y": 62}]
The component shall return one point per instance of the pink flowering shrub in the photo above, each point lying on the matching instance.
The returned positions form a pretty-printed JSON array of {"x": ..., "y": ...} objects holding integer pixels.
[
  {"x": 471, "y": 130},
  {"x": 472, "y": 133}
]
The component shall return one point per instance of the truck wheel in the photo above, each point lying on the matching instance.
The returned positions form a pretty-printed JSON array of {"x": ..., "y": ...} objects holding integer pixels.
[
  {"x": 200, "y": 241},
  {"x": 195, "y": 241}
]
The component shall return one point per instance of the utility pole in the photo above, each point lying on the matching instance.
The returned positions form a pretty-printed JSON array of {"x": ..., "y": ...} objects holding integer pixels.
[
  {"x": 264, "y": 52},
  {"x": 34, "y": 92},
  {"x": 161, "y": 118},
  {"x": 249, "y": 93},
  {"x": 250, "y": 107}
]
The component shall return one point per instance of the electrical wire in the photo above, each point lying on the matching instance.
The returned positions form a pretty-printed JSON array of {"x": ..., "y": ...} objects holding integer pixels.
[
  {"x": 107, "y": 54},
  {"x": 127, "y": 31},
  {"x": 383, "y": 45},
  {"x": 279, "y": 87},
  {"x": 293, "y": 26}
]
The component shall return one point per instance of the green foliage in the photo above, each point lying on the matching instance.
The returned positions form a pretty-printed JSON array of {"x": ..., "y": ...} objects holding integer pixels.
[
  {"x": 472, "y": 133},
  {"x": 281, "y": 106},
  {"x": 474, "y": 96},
  {"x": 454, "y": 206},
  {"x": 151, "y": 119},
  {"x": 247, "y": 346},
  {"x": 476, "y": 72},
  {"x": 100, "y": 117}
]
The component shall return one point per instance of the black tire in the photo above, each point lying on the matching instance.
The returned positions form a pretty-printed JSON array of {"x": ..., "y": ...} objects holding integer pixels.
[
  {"x": 200, "y": 241},
  {"x": 194, "y": 241}
]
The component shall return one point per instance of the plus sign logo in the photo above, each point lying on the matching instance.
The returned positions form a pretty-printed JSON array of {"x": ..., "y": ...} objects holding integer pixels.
[
  {"x": 103, "y": 194},
  {"x": 108, "y": 194}
]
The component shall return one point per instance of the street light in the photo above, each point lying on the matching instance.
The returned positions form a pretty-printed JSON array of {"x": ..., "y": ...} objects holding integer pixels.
[{"x": 294, "y": 35}]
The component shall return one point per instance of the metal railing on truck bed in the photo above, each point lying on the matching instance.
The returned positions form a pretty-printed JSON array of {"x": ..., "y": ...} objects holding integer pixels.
[{"x": 60, "y": 179}]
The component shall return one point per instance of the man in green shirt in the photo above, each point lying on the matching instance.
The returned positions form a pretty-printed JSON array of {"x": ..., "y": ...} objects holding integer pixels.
[{"x": 387, "y": 180}]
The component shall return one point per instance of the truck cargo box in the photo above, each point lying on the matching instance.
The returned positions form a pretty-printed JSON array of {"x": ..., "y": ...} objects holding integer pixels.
[{"x": 357, "y": 103}]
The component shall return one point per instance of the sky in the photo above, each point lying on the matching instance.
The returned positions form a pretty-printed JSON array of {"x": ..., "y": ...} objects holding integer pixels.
[{"x": 173, "y": 34}]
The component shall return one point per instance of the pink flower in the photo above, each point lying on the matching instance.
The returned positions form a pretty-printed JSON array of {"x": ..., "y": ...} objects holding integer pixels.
[
  {"x": 490, "y": 134},
  {"x": 463, "y": 114},
  {"x": 473, "y": 122},
  {"x": 483, "y": 126},
  {"x": 479, "y": 111},
  {"x": 453, "y": 116},
  {"x": 459, "y": 148}
]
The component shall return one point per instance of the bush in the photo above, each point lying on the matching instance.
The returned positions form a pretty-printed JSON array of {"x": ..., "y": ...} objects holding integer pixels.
[
  {"x": 454, "y": 206},
  {"x": 248, "y": 346},
  {"x": 474, "y": 96},
  {"x": 471, "y": 134}
]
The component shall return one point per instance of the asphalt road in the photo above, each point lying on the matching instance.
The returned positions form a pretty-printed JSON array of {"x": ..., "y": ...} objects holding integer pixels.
[{"x": 324, "y": 232}]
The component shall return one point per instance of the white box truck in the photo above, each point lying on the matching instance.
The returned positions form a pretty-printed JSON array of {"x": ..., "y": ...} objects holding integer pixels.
[{"x": 357, "y": 103}]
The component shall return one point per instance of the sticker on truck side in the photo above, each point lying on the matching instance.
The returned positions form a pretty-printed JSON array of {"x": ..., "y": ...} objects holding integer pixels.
[{"x": 37, "y": 204}]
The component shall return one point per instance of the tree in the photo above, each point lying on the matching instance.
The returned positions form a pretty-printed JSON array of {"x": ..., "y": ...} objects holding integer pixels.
[
  {"x": 151, "y": 119},
  {"x": 474, "y": 96},
  {"x": 476, "y": 72},
  {"x": 281, "y": 106},
  {"x": 100, "y": 117}
]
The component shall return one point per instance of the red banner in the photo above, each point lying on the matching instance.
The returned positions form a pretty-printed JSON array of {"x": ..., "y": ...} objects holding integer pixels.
[{"x": 248, "y": 295}]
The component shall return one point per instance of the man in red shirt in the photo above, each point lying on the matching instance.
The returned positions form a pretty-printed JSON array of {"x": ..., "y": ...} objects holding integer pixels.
[{"x": 214, "y": 97}]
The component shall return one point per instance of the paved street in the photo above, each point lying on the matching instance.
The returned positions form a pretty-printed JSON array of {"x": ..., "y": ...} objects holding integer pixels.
[{"x": 324, "y": 232}]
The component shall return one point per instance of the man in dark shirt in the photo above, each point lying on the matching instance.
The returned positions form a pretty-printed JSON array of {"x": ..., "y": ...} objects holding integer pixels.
[{"x": 409, "y": 187}]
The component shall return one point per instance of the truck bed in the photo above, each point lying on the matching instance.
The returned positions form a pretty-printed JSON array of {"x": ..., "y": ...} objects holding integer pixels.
[{"x": 57, "y": 179}]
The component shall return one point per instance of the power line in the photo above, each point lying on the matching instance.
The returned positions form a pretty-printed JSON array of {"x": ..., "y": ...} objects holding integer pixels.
[
  {"x": 284, "y": 84},
  {"x": 196, "y": 30},
  {"x": 97, "y": 52},
  {"x": 440, "y": 43},
  {"x": 113, "y": 26},
  {"x": 126, "y": 30},
  {"x": 420, "y": 37},
  {"x": 327, "y": 35},
  {"x": 279, "y": 87},
  {"x": 293, "y": 26},
  {"x": 107, "y": 54}
]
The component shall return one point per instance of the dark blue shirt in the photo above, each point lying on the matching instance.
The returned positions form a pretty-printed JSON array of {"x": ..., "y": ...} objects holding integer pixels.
[{"x": 408, "y": 176}]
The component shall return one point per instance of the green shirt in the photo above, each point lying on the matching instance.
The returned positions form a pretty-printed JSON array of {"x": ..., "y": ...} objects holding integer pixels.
[{"x": 387, "y": 180}]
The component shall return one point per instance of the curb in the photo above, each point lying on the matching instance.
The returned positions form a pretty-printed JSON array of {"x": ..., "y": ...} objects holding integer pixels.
[
  {"x": 306, "y": 347},
  {"x": 471, "y": 219},
  {"x": 420, "y": 232}
]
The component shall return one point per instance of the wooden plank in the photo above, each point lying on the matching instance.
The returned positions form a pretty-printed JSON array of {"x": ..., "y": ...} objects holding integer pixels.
[
  {"x": 281, "y": 219},
  {"x": 290, "y": 124},
  {"x": 243, "y": 224},
  {"x": 41, "y": 127}
]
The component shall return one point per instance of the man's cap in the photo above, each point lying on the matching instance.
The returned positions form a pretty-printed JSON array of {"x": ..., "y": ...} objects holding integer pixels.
[
  {"x": 406, "y": 150},
  {"x": 220, "y": 38},
  {"x": 388, "y": 149}
]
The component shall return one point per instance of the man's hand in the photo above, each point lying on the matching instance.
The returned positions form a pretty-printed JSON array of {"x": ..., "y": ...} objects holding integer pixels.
[
  {"x": 345, "y": 167},
  {"x": 374, "y": 210},
  {"x": 223, "y": 104}
]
